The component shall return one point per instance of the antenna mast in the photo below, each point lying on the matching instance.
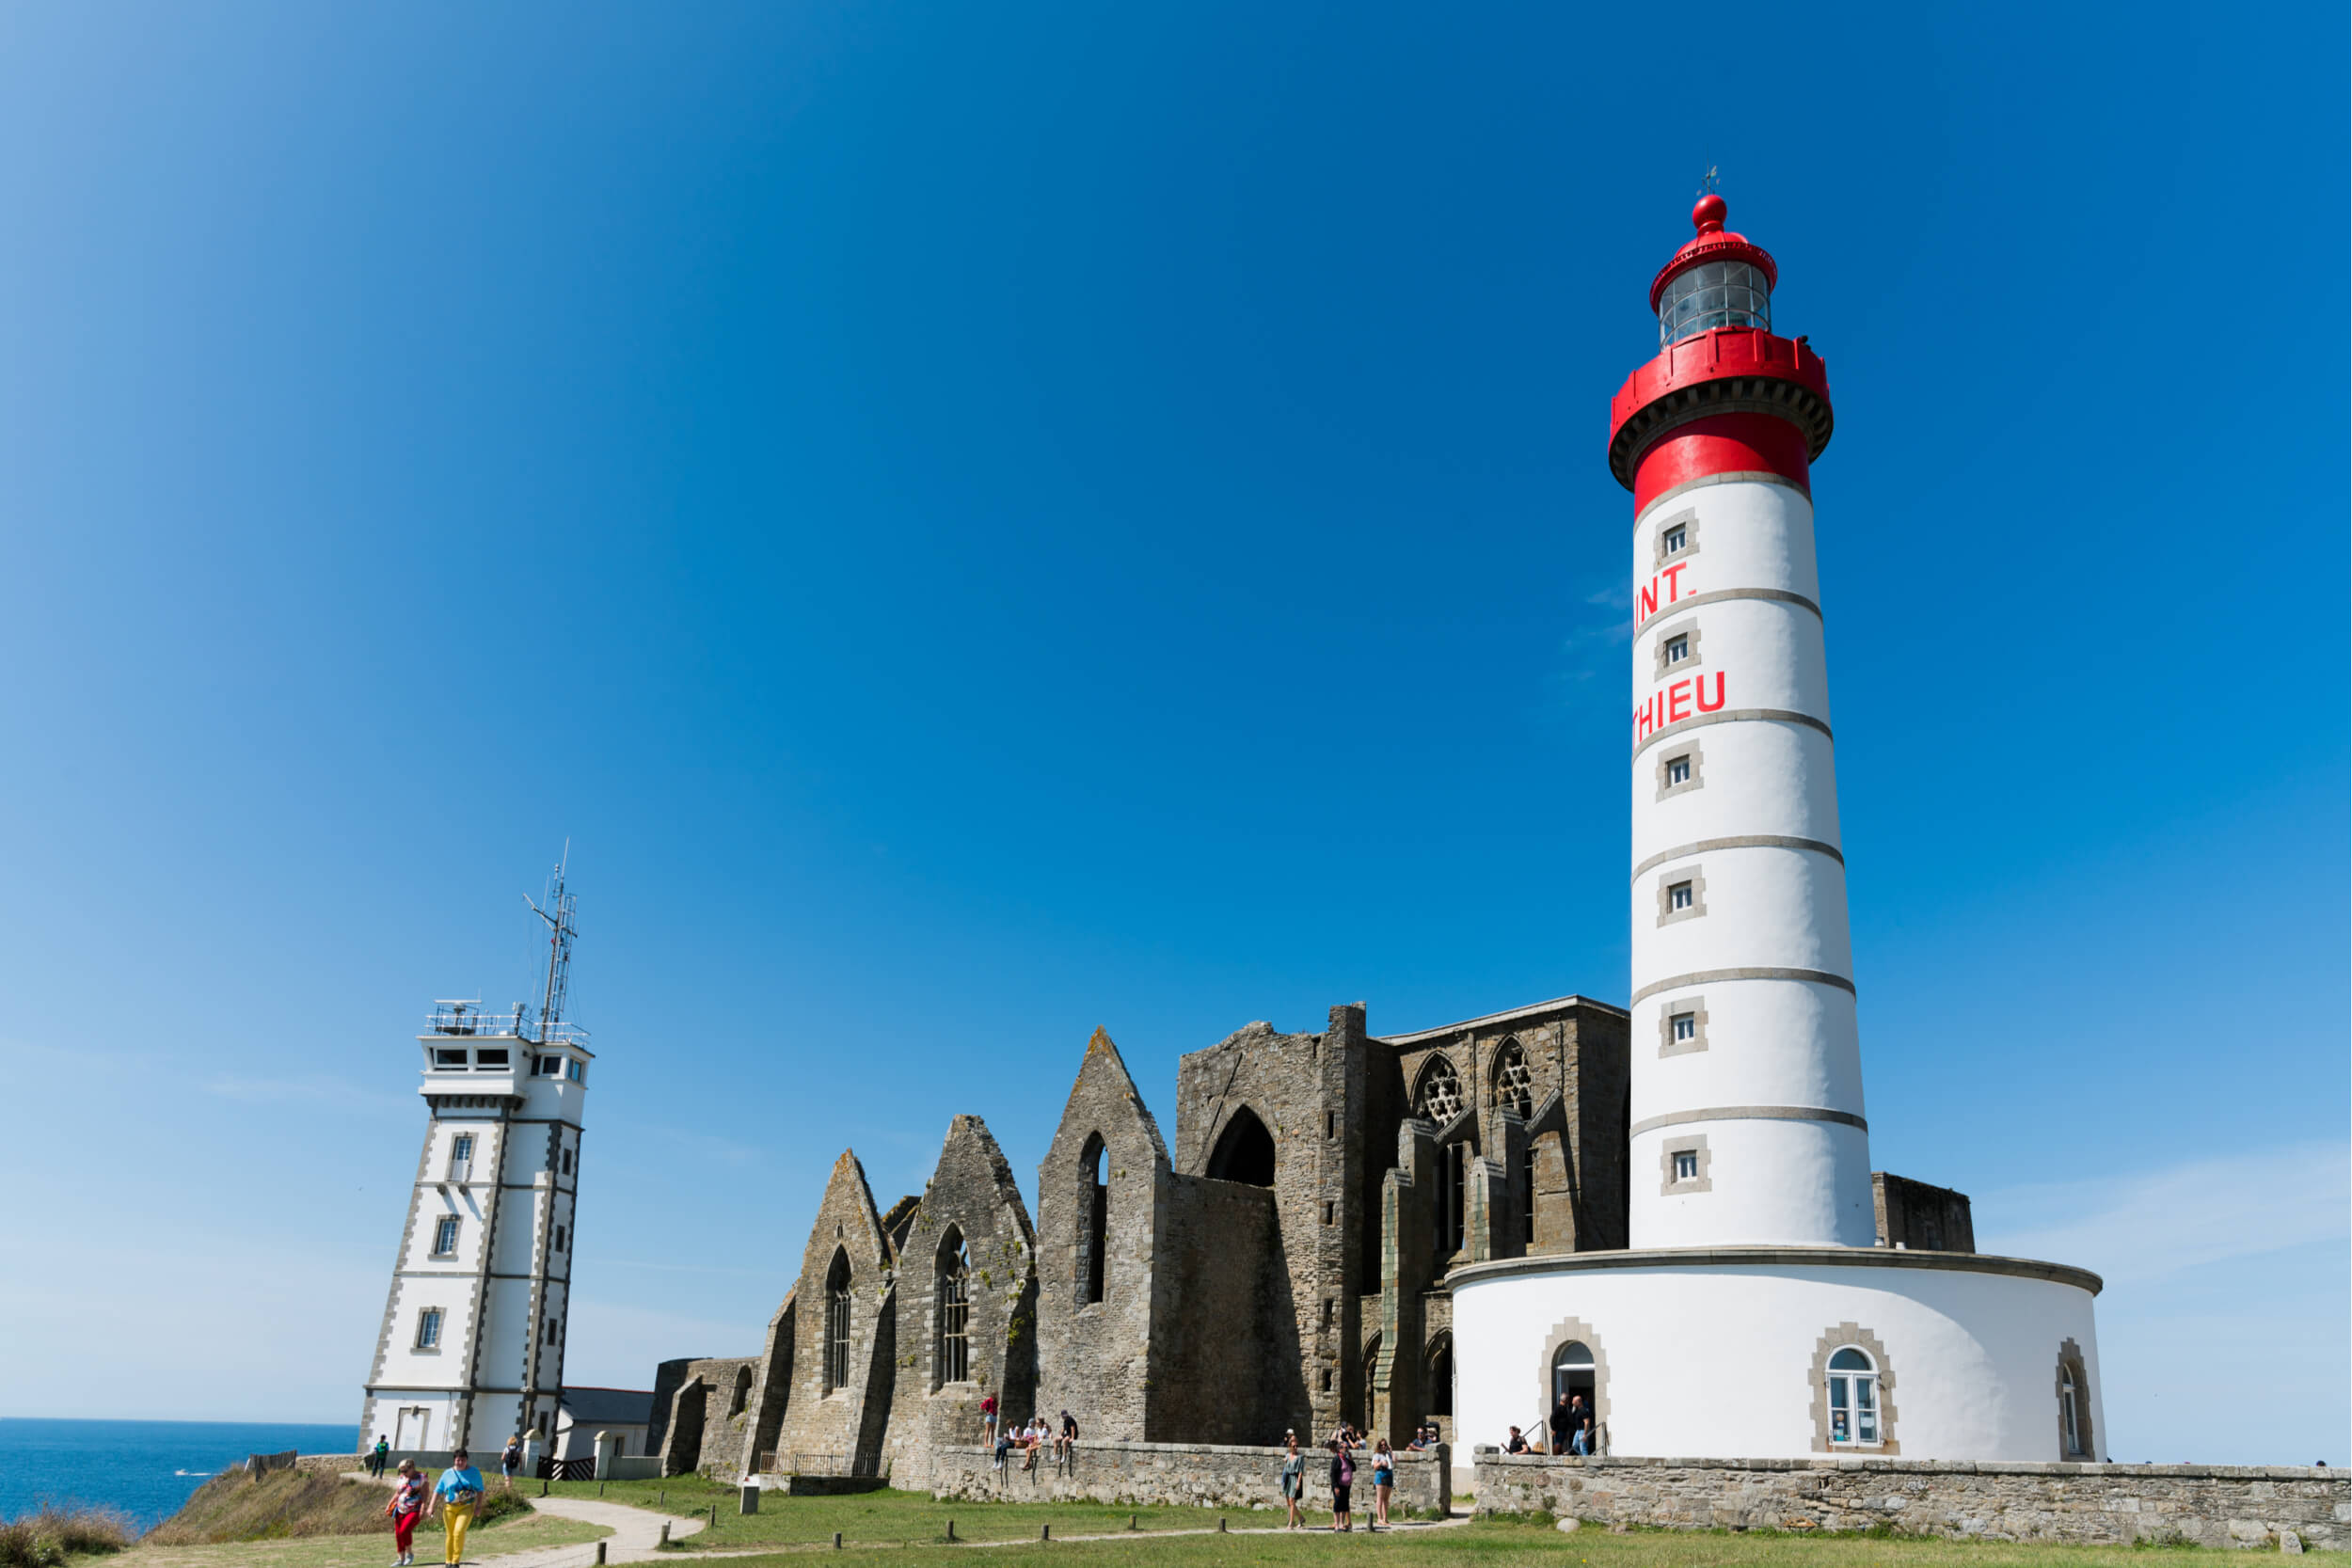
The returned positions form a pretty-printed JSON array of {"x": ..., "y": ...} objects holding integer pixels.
[{"x": 561, "y": 930}]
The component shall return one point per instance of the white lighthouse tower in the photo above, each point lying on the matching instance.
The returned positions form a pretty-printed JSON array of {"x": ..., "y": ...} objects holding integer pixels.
[
  {"x": 1747, "y": 1073},
  {"x": 1757, "y": 1313},
  {"x": 471, "y": 1348}
]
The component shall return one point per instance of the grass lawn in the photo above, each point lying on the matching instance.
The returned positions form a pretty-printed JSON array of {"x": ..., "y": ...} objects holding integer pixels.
[
  {"x": 1510, "y": 1544},
  {"x": 351, "y": 1551}
]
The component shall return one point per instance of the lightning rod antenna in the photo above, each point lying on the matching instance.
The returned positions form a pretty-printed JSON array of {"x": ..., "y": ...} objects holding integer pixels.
[{"x": 561, "y": 931}]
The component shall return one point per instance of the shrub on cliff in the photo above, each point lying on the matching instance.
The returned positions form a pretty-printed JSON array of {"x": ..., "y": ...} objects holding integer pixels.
[{"x": 45, "y": 1537}]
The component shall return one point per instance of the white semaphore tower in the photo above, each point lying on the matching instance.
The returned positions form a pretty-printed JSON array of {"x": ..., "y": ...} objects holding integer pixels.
[
  {"x": 1756, "y": 1313},
  {"x": 471, "y": 1348},
  {"x": 1747, "y": 1071}
]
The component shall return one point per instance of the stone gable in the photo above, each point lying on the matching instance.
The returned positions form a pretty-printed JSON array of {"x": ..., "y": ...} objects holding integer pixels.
[
  {"x": 970, "y": 1219},
  {"x": 1094, "y": 1329},
  {"x": 839, "y": 1403}
]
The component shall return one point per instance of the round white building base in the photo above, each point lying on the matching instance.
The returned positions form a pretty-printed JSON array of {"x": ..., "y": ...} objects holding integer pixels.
[{"x": 1763, "y": 1353}]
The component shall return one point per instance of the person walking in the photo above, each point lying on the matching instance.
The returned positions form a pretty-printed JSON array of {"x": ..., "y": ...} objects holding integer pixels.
[
  {"x": 407, "y": 1508},
  {"x": 1516, "y": 1445},
  {"x": 1294, "y": 1477},
  {"x": 1342, "y": 1480},
  {"x": 1383, "y": 1482},
  {"x": 511, "y": 1460},
  {"x": 456, "y": 1495},
  {"x": 378, "y": 1455},
  {"x": 1579, "y": 1427}
]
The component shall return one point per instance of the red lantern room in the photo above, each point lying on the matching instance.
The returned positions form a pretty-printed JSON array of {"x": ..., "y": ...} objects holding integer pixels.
[{"x": 1724, "y": 395}]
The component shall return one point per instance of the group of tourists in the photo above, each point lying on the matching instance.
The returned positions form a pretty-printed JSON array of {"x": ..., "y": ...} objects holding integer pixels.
[
  {"x": 1342, "y": 1446},
  {"x": 1032, "y": 1437},
  {"x": 452, "y": 1498},
  {"x": 1572, "y": 1431}
]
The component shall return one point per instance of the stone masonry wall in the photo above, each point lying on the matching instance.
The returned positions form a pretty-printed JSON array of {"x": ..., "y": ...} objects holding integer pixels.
[
  {"x": 1192, "y": 1475},
  {"x": 843, "y": 1421},
  {"x": 971, "y": 1198},
  {"x": 1219, "y": 1374},
  {"x": 1308, "y": 1091},
  {"x": 1916, "y": 1215},
  {"x": 1094, "y": 1358},
  {"x": 2096, "y": 1504}
]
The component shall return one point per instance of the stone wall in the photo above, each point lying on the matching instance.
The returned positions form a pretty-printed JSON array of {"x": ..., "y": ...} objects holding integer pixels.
[
  {"x": 1224, "y": 1318},
  {"x": 1915, "y": 1216},
  {"x": 1309, "y": 1093},
  {"x": 847, "y": 1418},
  {"x": 2091, "y": 1504},
  {"x": 1192, "y": 1475},
  {"x": 1094, "y": 1356},
  {"x": 973, "y": 1204},
  {"x": 701, "y": 1415}
]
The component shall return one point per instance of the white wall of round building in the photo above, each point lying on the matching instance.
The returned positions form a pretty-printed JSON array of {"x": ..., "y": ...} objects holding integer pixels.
[{"x": 1724, "y": 1361}]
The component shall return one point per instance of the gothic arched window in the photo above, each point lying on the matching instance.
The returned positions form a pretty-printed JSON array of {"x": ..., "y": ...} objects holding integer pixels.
[
  {"x": 1094, "y": 1221},
  {"x": 1514, "y": 1085},
  {"x": 837, "y": 1323},
  {"x": 954, "y": 1364},
  {"x": 1442, "y": 1376},
  {"x": 1439, "y": 1097},
  {"x": 1245, "y": 1151}
]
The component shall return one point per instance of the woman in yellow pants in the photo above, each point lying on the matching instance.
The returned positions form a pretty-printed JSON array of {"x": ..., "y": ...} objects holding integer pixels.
[{"x": 454, "y": 1498}]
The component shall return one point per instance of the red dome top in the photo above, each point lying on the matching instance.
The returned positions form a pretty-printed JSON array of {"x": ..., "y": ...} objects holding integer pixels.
[{"x": 1714, "y": 244}]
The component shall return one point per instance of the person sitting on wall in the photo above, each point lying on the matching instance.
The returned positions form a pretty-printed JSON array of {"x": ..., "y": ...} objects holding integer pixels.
[
  {"x": 1516, "y": 1445},
  {"x": 1066, "y": 1442},
  {"x": 1033, "y": 1438},
  {"x": 1004, "y": 1444}
]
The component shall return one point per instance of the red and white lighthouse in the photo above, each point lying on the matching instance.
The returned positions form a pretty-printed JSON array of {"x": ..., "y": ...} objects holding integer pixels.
[
  {"x": 1755, "y": 1313},
  {"x": 1747, "y": 1121}
]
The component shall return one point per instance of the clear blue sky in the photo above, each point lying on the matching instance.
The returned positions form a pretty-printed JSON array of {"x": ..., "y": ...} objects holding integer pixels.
[{"x": 983, "y": 522}]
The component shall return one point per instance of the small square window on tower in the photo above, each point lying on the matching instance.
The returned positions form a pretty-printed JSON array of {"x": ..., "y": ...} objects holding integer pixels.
[
  {"x": 429, "y": 1328},
  {"x": 1677, "y": 649},
  {"x": 1676, "y": 537},
  {"x": 1682, "y": 1026},
  {"x": 1683, "y": 1167},
  {"x": 445, "y": 1236},
  {"x": 1680, "y": 772},
  {"x": 1682, "y": 898}
]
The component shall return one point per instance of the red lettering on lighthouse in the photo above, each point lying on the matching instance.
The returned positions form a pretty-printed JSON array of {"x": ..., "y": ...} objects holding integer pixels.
[
  {"x": 1674, "y": 580},
  {"x": 1678, "y": 700},
  {"x": 1645, "y": 602},
  {"x": 1706, "y": 706}
]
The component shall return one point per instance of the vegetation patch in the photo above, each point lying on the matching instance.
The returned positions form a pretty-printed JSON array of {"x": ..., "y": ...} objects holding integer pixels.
[
  {"x": 48, "y": 1535},
  {"x": 288, "y": 1505}
]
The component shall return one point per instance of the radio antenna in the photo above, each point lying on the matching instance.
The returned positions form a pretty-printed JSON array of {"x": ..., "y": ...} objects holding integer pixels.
[{"x": 561, "y": 931}]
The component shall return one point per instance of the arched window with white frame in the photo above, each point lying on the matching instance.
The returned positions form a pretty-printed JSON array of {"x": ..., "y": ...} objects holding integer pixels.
[{"x": 1853, "y": 1399}]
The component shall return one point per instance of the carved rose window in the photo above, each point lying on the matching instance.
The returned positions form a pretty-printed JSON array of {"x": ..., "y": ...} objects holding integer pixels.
[
  {"x": 1440, "y": 1097},
  {"x": 1515, "y": 1086}
]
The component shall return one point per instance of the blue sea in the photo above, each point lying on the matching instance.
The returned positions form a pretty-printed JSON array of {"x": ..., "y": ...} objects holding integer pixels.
[{"x": 145, "y": 1468}]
